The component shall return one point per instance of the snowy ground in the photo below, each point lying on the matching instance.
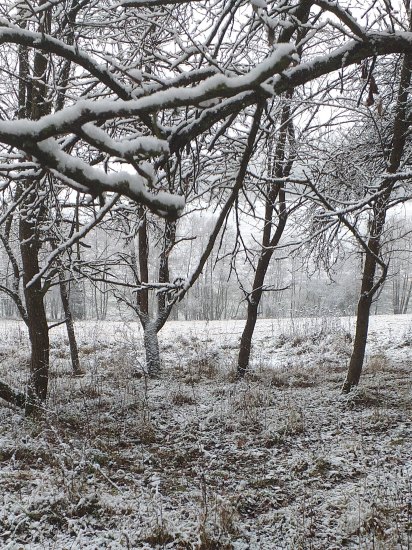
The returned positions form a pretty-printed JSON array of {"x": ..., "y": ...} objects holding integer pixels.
[{"x": 195, "y": 460}]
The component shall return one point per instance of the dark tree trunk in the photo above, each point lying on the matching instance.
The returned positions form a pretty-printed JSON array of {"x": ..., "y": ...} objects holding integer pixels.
[
  {"x": 74, "y": 351},
  {"x": 256, "y": 295},
  {"x": 246, "y": 340},
  {"x": 280, "y": 168},
  {"x": 35, "y": 101},
  {"x": 36, "y": 317},
  {"x": 369, "y": 287},
  {"x": 359, "y": 344},
  {"x": 143, "y": 241}
]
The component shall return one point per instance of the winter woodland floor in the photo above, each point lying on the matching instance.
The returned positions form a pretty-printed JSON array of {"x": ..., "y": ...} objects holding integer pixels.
[{"x": 195, "y": 460}]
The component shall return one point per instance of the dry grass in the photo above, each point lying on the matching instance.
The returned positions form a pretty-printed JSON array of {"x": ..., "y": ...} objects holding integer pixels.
[
  {"x": 180, "y": 398},
  {"x": 193, "y": 460}
]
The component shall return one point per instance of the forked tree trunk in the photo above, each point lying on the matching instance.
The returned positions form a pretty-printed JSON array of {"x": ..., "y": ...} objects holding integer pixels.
[
  {"x": 152, "y": 325},
  {"x": 270, "y": 239},
  {"x": 141, "y": 272}
]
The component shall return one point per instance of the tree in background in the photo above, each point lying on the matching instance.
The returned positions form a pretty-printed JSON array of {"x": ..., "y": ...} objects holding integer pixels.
[
  {"x": 276, "y": 211},
  {"x": 366, "y": 175}
]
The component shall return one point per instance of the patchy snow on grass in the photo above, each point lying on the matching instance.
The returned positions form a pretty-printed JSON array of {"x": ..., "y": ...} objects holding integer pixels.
[{"x": 194, "y": 459}]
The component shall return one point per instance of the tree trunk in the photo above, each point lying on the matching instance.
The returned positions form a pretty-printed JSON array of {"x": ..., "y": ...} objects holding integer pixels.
[
  {"x": 151, "y": 344},
  {"x": 407, "y": 296},
  {"x": 34, "y": 100},
  {"x": 396, "y": 295},
  {"x": 74, "y": 351},
  {"x": 246, "y": 340},
  {"x": 256, "y": 295},
  {"x": 36, "y": 317},
  {"x": 359, "y": 344},
  {"x": 401, "y": 293},
  {"x": 368, "y": 291}
]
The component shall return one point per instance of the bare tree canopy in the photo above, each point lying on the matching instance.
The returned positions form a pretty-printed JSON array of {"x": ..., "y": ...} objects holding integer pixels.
[{"x": 142, "y": 80}]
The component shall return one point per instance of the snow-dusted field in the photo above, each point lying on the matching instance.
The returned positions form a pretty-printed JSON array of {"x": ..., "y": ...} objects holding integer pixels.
[{"x": 195, "y": 460}]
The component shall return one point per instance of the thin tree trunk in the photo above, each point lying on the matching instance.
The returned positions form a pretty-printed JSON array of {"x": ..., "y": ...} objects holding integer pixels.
[
  {"x": 407, "y": 297},
  {"x": 276, "y": 193},
  {"x": 368, "y": 290},
  {"x": 396, "y": 296},
  {"x": 143, "y": 242},
  {"x": 256, "y": 295},
  {"x": 68, "y": 316},
  {"x": 74, "y": 351}
]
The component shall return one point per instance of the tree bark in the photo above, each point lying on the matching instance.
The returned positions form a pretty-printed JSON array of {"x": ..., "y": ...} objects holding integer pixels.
[
  {"x": 34, "y": 100},
  {"x": 74, "y": 351},
  {"x": 36, "y": 316},
  {"x": 151, "y": 344},
  {"x": 246, "y": 340},
  {"x": 359, "y": 344},
  {"x": 369, "y": 288}
]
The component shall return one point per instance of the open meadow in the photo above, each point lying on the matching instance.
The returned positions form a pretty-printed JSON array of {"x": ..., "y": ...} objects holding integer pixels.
[{"x": 194, "y": 459}]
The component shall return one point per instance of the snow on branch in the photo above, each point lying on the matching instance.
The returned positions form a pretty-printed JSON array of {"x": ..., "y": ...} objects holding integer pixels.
[
  {"x": 163, "y": 288},
  {"x": 145, "y": 146},
  {"x": 344, "y": 15},
  {"x": 41, "y": 41},
  {"x": 96, "y": 181},
  {"x": 14, "y": 132},
  {"x": 35, "y": 137},
  {"x": 230, "y": 94},
  {"x": 351, "y": 52},
  {"x": 149, "y": 3}
]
